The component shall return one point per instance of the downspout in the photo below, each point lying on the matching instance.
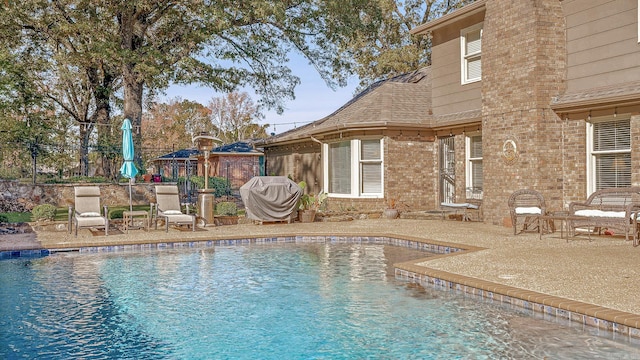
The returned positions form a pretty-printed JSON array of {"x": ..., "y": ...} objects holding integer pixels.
[{"x": 321, "y": 162}]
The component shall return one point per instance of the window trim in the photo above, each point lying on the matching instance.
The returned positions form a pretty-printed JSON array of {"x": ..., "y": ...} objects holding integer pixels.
[
  {"x": 469, "y": 160},
  {"x": 591, "y": 153},
  {"x": 356, "y": 162},
  {"x": 464, "y": 57}
]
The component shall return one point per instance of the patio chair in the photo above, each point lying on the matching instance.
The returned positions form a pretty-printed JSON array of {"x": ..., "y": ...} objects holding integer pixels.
[
  {"x": 168, "y": 208},
  {"x": 525, "y": 208},
  {"x": 472, "y": 206},
  {"x": 86, "y": 210}
]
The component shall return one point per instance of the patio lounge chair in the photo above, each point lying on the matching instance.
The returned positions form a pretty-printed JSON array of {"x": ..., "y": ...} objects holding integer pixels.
[
  {"x": 473, "y": 205},
  {"x": 168, "y": 208},
  {"x": 86, "y": 210},
  {"x": 525, "y": 208}
]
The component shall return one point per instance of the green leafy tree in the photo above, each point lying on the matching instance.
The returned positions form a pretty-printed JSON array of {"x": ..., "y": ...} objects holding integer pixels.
[
  {"x": 377, "y": 41},
  {"x": 98, "y": 56},
  {"x": 144, "y": 44},
  {"x": 67, "y": 39},
  {"x": 23, "y": 111}
]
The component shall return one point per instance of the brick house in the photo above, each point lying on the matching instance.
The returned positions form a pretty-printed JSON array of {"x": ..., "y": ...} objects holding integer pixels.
[
  {"x": 377, "y": 146},
  {"x": 238, "y": 162},
  {"x": 539, "y": 94}
]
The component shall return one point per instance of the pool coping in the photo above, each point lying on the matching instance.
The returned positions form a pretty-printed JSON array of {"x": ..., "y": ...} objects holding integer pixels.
[{"x": 619, "y": 322}]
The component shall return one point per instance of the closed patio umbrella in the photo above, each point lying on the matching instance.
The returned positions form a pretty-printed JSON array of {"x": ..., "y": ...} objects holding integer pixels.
[{"x": 128, "y": 169}]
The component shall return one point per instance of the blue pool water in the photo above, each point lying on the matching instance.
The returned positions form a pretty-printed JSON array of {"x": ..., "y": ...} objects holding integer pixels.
[{"x": 311, "y": 301}]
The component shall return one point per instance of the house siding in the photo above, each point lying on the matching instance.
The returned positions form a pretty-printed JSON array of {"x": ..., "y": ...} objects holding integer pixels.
[
  {"x": 299, "y": 161},
  {"x": 449, "y": 95},
  {"x": 602, "y": 43}
]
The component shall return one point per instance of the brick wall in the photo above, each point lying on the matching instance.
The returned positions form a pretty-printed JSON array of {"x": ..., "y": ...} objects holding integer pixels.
[
  {"x": 410, "y": 170},
  {"x": 523, "y": 67}
]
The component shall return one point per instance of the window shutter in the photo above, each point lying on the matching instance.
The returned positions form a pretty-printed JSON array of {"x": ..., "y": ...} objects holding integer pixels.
[{"x": 340, "y": 168}]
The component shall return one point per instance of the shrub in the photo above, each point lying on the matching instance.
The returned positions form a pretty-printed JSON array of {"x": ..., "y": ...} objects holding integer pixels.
[
  {"x": 3, "y": 219},
  {"x": 43, "y": 212},
  {"x": 218, "y": 184},
  {"x": 226, "y": 208},
  {"x": 116, "y": 213}
]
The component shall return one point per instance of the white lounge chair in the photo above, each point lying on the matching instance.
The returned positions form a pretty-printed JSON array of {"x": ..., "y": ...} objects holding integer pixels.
[
  {"x": 168, "y": 208},
  {"x": 86, "y": 210}
]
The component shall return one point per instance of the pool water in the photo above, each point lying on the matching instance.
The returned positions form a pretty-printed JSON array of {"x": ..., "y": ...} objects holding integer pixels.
[{"x": 294, "y": 301}]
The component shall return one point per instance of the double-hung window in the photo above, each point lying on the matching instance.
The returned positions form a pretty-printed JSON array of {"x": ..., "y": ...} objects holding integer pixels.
[
  {"x": 609, "y": 154},
  {"x": 471, "y": 54},
  {"x": 353, "y": 168},
  {"x": 474, "y": 166}
]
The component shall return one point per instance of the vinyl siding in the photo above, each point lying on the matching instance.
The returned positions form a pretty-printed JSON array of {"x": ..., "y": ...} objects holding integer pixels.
[{"x": 602, "y": 44}]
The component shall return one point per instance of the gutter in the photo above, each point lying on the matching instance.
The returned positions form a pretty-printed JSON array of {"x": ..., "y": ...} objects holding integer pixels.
[{"x": 465, "y": 11}]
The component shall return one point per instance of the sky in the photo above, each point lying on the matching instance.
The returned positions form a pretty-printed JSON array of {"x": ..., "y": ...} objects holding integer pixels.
[{"x": 314, "y": 99}]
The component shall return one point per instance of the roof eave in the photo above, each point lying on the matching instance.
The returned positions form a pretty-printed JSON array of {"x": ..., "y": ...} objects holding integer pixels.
[
  {"x": 341, "y": 128},
  {"x": 445, "y": 20},
  {"x": 631, "y": 100}
]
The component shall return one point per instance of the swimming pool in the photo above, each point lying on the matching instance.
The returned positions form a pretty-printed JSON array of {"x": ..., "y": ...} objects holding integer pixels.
[{"x": 293, "y": 301}]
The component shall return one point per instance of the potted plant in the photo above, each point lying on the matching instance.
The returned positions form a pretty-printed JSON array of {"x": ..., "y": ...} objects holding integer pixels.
[
  {"x": 391, "y": 212},
  {"x": 309, "y": 205},
  {"x": 226, "y": 213}
]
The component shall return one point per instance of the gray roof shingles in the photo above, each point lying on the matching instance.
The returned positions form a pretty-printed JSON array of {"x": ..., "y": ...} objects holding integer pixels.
[{"x": 401, "y": 100}]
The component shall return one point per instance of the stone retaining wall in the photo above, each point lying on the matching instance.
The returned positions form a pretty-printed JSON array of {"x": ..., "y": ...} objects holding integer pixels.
[{"x": 21, "y": 197}]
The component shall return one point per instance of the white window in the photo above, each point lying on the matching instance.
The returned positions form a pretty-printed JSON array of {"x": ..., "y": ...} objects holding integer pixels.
[
  {"x": 353, "y": 168},
  {"x": 609, "y": 162},
  {"x": 471, "y": 53},
  {"x": 474, "y": 166}
]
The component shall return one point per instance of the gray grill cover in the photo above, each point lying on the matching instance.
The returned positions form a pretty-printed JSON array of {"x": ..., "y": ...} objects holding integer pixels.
[{"x": 270, "y": 198}]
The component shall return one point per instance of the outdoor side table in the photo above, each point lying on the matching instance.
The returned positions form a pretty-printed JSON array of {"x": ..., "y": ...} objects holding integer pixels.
[
  {"x": 129, "y": 216},
  {"x": 563, "y": 217}
]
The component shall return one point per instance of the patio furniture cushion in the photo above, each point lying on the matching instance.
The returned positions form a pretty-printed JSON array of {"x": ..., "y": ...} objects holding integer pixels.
[
  {"x": 533, "y": 210},
  {"x": 89, "y": 214},
  {"x": 461, "y": 205},
  {"x": 601, "y": 213}
]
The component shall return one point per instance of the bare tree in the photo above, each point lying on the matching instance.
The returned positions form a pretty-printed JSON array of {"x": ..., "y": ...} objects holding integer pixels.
[{"x": 235, "y": 117}]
